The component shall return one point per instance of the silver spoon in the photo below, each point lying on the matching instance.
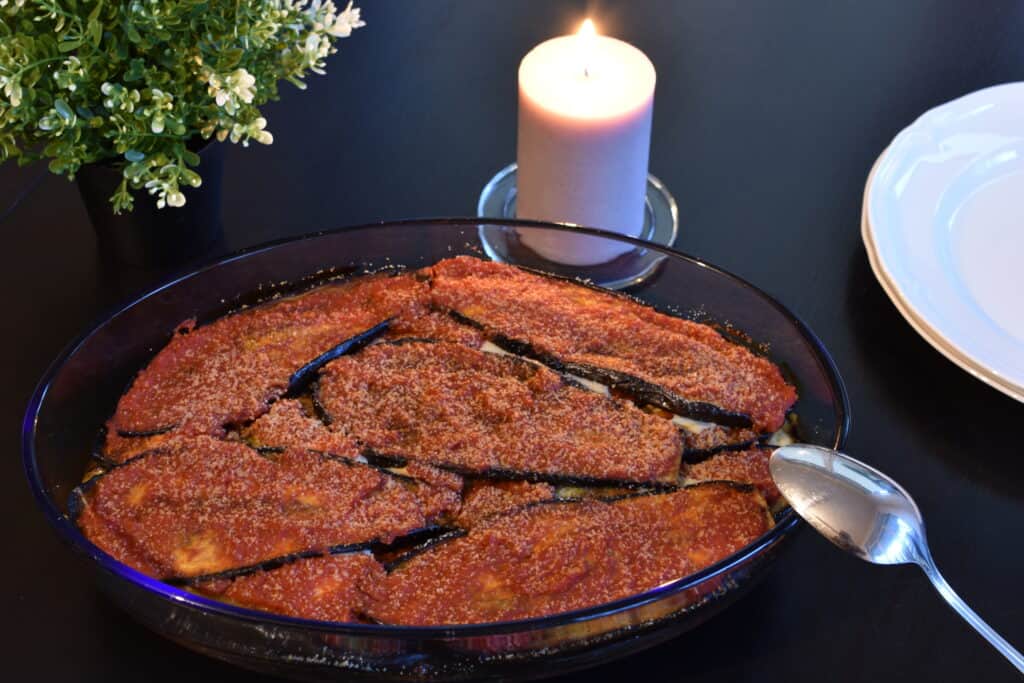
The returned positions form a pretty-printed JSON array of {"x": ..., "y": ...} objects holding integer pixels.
[{"x": 868, "y": 514}]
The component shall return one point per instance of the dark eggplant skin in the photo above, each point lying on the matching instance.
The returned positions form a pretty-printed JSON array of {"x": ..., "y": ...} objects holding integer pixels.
[
  {"x": 76, "y": 498},
  {"x": 459, "y": 532},
  {"x": 297, "y": 383},
  {"x": 128, "y": 434},
  {"x": 76, "y": 501},
  {"x": 641, "y": 391},
  {"x": 302, "y": 377},
  {"x": 411, "y": 541},
  {"x": 96, "y": 452},
  {"x": 386, "y": 460},
  {"x": 318, "y": 408},
  {"x": 235, "y": 572},
  {"x": 455, "y": 533},
  {"x": 695, "y": 455},
  {"x": 277, "y": 562},
  {"x": 99, "y": 445},
  {"x": 737, "y": 485},
  {"x": 417, "y": 542},
  {"x": 374, "y": 465},
  {"x": 419, "y": 549},
  {"x": 407, "y": 340}
]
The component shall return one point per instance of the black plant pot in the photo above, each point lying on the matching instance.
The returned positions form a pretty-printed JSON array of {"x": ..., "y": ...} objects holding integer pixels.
[{"x": 150, "y": 237}]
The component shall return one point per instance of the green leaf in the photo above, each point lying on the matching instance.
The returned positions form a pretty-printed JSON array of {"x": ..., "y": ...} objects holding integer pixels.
[
  {"x": 132, "y": 32},
  {"x": 132, "y": 171},
  {"x": 134, "y": 155},
  {"x": 95, "y": 13},
  {"x": 69, "y": 45},
  {"x": 229, "y": 59},
  {"x": 191, "y": 178},
  {"x": 136, "y": 70},
  {"x": 94, "y": 31},
  {"x": 63, "y": 109}
]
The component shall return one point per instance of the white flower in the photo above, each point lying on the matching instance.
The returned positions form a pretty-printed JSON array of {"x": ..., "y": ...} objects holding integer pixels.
[
  {"x": 119, "y": 98},
  {"x": 319, "y": 11},
  {"x": 256, "y": 132},
  {"x": 251, "y": 131},
  {"x": 160, "y": 104},
  {"x": 346, "y": 22},
  {"x": 175, "y": 199},
  {"x": 243, "y": 84},
  {"x": 315, "y": 47},
  {"x": 239, "y": 85},
  {"x": 72, "y": 69}
]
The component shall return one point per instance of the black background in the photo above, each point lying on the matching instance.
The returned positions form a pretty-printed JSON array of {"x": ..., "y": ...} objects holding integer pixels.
[{"x": 768, "y": 116}]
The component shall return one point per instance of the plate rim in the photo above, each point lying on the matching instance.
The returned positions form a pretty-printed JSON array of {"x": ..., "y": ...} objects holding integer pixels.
[{"x": 933, "y": 336}]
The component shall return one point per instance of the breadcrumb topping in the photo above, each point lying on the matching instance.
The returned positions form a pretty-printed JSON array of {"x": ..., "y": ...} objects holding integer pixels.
[
  {"x": 583, "y": 325},
  {"x": 457, "y": 407}
]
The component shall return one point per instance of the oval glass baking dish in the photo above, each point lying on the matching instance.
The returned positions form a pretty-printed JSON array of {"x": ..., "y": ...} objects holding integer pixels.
[{"x": 81, "y": 388}]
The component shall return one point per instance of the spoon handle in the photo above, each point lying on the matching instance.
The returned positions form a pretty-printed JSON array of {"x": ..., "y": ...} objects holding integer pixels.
[{"x": 969, "y": 615}]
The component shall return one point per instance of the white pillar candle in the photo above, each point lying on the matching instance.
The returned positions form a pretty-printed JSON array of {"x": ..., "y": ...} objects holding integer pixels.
[{"x": 585, "y": 104}]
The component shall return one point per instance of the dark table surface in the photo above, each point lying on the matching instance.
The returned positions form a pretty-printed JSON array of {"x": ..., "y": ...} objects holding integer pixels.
[{"x": 768, "y": 116}]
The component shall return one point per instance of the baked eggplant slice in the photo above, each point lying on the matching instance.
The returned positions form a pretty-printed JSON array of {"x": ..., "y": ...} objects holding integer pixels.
[
  {"x": 436, "y": 325},
  {"x": 205, "y": 506},
  {"x": 118, "y": 447},
  {"x": 682, "y": 366},
  {"x": 484, "y": 499},
  {"x": 624, "y": 384},
  {"x": 287, "y": 425},
  {"x": 605, "y": 493},
  {"x": 399, "y": 553},
  {"x": 703, "y": 439},
  {"x": 325, "y": 588},
  {"x": 478, "y": 413},
  {"x": 229, "y": 371},
  {"x": 302, "y": 377},
  {"x": 749, "y": 466},
  {"x": 703, "y": 444},
  {"x": 554, "y": 557}
]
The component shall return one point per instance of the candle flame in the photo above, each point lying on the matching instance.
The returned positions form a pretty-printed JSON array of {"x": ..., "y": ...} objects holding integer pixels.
[{"x": 585, "y": 36}]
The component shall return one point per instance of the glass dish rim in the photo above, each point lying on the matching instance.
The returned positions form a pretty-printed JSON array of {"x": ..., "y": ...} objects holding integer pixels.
[{"x": 71, "y": 535}]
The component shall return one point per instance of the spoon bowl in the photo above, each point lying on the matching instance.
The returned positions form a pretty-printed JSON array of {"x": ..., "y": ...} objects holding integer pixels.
[
  {"x": 866, "y": 513},
  {"x": 853, "y": 505}
]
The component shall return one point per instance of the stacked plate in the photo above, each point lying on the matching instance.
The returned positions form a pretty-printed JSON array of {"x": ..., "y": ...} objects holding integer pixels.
[{"x": 943, "y": 224}]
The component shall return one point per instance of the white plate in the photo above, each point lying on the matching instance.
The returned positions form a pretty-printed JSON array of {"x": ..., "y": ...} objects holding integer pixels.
[
  {"x": 943, "y": 224},
  {"x": 930, "y": 335}
]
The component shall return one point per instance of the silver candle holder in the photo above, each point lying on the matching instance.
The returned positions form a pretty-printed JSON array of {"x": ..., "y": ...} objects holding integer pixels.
[{"x": 504, "y": 244}]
